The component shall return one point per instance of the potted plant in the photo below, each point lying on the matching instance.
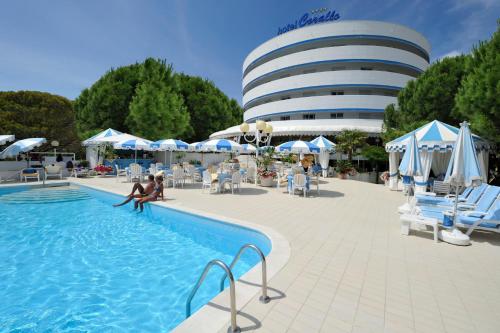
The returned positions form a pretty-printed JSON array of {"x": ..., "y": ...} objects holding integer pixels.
[
  {"x": 344, "y": 168},
  {"x": 103, "y": 169},
  {"x": 264, "y": 168}
]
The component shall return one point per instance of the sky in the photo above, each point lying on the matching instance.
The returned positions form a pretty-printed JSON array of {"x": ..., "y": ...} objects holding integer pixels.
[{"x": 64, "y": 46}]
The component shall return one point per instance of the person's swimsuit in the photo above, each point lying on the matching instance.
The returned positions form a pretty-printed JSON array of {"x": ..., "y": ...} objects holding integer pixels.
[{"x": 156, "y": 192}]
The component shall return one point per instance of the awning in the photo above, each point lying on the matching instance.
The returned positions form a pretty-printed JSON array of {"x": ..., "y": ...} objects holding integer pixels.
[{"x": 310, "y": 127}]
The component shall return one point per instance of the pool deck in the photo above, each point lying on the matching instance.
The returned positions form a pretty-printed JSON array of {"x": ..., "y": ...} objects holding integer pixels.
[{"x": 350, "y": 269}]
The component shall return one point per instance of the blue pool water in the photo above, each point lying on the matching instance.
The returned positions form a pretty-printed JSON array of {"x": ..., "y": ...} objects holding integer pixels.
[{"x": 70, "y": 262}]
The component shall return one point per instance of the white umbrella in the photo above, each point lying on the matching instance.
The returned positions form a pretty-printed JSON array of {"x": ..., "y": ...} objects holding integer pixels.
[
  {"x": 6, "y": 138},
  {"x": 411, "y": 165},
  {"x": 21, "y": 146},
  {"x": 133, "y": 144},
  {"x": 463, "y": 170},
  {"x": 298, "y": 147},
  {"x": 169, "y": 145},
  {"x": 221, "y": 145},
  {"x": 100, "y": 137},
  {"x": 326, "y": 147}
]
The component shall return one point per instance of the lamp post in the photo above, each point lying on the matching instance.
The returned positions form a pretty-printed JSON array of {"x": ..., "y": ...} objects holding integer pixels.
[
  {"x": 262, "y": 134},
  {"x": 55, "y": 144}
]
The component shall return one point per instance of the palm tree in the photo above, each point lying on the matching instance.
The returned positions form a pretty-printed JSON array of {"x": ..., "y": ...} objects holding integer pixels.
[{"x": 350, "y": 140}]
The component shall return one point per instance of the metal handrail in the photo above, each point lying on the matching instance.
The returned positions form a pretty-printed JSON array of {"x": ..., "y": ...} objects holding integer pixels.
[
  {"x": 264, "y": 298},
  {"x": 232, "y": 292}
]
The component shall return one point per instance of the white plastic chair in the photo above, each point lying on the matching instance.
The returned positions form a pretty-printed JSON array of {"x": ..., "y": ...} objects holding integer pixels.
[
  {"x": 235, "y": 181},
  {"x": 135, "y": 172},
  {"x": 178, "y": 177},
  {"x": 120, "y": 172},
  {"x": 299, "y": 183},
  {"x": 189, "y": 173},
  {"x": 250, "y": 175},
  {"x": 53, "y": 171},
  {"x": 206, "y": 181}
]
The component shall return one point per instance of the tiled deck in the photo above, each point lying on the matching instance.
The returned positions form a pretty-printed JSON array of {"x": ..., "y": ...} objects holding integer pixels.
[{"x": 350, "y": 269}]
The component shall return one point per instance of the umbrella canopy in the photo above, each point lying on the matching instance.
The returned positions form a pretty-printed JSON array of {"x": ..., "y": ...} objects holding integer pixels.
[
  {"x": 6, "y": 138},
  {"x": 113, "y": 139},
  {"x": 464, "y": 169},
  {"x": 323, "y": 143},
  {"x": 248, "y": 148},
  {"x": 298, "y": 147},
  {"x": 133, "y": 144},
  {"x": 21, "y": 146},
  {"x": 100, "y": 137},
  {"x": 221, "y": 145},
  {"x": 411, "y": 164},
  {"x": 169, "y": 144},
  {"x": 434, "y": 136},
  {"x": 196, "y": 146}
]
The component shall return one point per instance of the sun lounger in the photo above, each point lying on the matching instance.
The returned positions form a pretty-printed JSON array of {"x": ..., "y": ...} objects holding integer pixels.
[
  {"x": 470, "y": 196},
  {"x": 29, "y": 173}
]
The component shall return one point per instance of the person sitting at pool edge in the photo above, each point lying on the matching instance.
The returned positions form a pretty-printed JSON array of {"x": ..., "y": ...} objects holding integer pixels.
[
  {"x": 157, "y": 192},
  {"x": 143, "y": 191}
]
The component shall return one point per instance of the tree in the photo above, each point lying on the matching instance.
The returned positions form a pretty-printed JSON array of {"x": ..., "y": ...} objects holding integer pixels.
[
  {"x": 156, "y": 110},
  {"x": 209, "y": 108},
  {"x": 29, "y": 114},
  {"x": 478, "y": 99},
  {"x": 106, "y": 103},
  {"x": 350, "y": 140},
  {"x": 431, "y": 96}
]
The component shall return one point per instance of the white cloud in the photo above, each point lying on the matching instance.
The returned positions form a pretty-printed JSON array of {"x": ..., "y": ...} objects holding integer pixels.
[
  {"x": 461, "y": 4},
  {"x": 451, "y": 54}
]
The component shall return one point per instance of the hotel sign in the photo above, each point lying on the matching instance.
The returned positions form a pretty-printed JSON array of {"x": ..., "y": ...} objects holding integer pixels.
[{"x": 316, "y": 16}]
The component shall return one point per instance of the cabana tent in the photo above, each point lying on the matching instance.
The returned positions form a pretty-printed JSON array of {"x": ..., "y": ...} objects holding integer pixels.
[
  {"x": 96, "y": 144},
  {"x": 435, "y": 142}
]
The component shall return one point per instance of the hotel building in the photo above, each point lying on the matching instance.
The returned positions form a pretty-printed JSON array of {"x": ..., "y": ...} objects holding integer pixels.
[{"x": 327, "y": 77}]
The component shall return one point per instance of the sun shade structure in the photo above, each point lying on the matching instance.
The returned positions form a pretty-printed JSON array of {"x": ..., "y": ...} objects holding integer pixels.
[
  {"x": 298, "y": 147},
  {"x": 21, "y": 146},
  {"x": 323, "y": 143},
  {"x": 248, "y": 148},
  {"x": 133, "y": 144},
  {"x": 221, "y": 145},
  {"x": 6, "y": 138},
  {"x": 435, "y": 142},
  {"x": 100, "y": 138},
  {"x": 326, "y": 147},
  {"x": 196, "y": 146},
  {"x": 410, "y": 164},
  {"x": 169, "y": 144},
  {"x": 463, "y": 171}
]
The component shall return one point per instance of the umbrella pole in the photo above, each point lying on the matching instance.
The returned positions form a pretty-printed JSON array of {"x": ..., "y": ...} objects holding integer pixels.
[
  {"x": 171, "y": 159},
  {"x": 455, "y": 208}
]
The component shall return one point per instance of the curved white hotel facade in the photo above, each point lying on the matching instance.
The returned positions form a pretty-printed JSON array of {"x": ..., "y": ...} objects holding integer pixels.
[{"x": 324, "y": 78}]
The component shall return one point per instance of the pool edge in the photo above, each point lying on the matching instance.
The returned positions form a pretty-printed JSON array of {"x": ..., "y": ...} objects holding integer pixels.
[{"x": 211, "y": 318}]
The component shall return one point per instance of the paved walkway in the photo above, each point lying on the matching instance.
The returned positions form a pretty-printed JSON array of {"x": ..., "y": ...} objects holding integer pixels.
[{"x": 350, "y": 269}]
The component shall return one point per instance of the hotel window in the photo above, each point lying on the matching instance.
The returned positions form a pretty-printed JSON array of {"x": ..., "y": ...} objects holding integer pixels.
[
  {"x": 309, "y": 71},
  {"x": 267, "y": 119},
  {"x": 308, "y": 94},
  {"x": 336, "y": 115},
  {"x": 366, "y": 68},
  {"x": 365, "y": 92},
  {"x": 284, "y": 76},
  {"x": 285, "y": 118},
  {"x": 285, "y": 97},
  {"x": 308, "y": 116},
  {"x": 337, "y": 93}
]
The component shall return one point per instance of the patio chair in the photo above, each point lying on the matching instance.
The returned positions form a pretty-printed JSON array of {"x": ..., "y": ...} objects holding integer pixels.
[
  {"x": 178, "y": 177},
  {"x": 80, "y": 172},
  {"x": 470, "y": 196},
  {"x": 250, "y": 175},
  {"x": 29, "y": 173},
  {"x": 234, "y": 181},
  {"x": 189, "y": 173},
  {"x": 299, "y": 183},
  {"x": 440, "y": 187},
  {"x": 120, "y": 172},
  {"x": 135, "y": 172},
  {"x": 53, "y": 170},
  {"x": 206, "y": 181}
]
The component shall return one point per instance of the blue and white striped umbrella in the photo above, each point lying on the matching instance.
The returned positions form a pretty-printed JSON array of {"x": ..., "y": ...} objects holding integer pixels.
[
  {"x": 169, "y": 144},
  {"x": 104, "y": 134},
  {"x": 133, "y": 144},
  {"x": 434, "y": 136},
  {"x": 196, "y": 146},
  {"x": 297, "y": 147},
  {"x": 464, "y": 169},
  {"x": 410, "y": 164},
  {"x": 21, "y": 146},
  {"x": 6, "y": 138},
  {"x": 248, "y": 148},
  {"x": 221, "y": 145},
  {"x": 323, "y": 143}
]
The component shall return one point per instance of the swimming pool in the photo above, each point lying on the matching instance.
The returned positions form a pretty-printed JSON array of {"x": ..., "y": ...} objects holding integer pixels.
[{"x": 69, "y": 261}]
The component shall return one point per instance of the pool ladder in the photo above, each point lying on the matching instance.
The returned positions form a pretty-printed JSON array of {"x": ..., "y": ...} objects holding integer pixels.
[{"x": 232, "y": 289}]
